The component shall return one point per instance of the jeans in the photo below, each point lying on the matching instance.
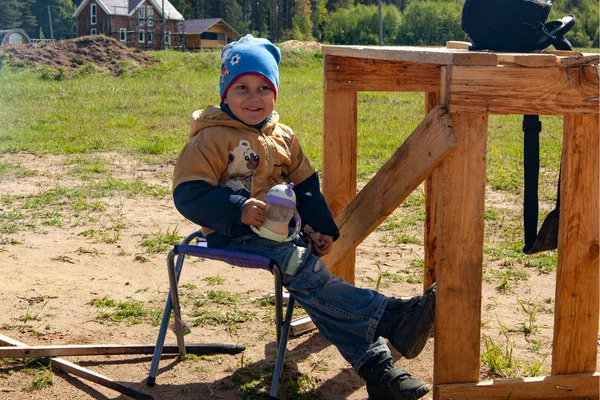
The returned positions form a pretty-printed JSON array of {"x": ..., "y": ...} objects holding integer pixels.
[{"x": 345, "y": 315}]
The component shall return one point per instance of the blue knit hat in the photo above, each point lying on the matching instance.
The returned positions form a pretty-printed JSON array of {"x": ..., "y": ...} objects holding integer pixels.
[{"x": 249, "y": 55}]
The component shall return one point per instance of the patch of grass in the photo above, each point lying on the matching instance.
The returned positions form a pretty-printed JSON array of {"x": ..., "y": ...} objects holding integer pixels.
[
  {"x": 531, "y": 309},
  {"x": 214, "y": 317},
  {"x": 543, "y": 262},
  {"x": 10, "y": 327},
  {"x": 87, "y": 166},
  {"x": 214, "y": 280},
  {"x": 42, "y": 379},
  {"x": 498, "y": 359},
  {"x": 160, "y": 242},
  {"x": 89, "y": 251},
  {"x": 131, "y": 311},
  {"x": 101, "y": 235},
  {"x": 65, "y": 259},
  {"x": 140, "y": 258},
  {"x": 16, "y": 171}
]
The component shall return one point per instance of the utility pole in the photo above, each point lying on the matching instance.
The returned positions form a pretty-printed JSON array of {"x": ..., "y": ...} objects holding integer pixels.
[
  {"x": 50, "y": 19},
  {"x": 380, "y": 25}
]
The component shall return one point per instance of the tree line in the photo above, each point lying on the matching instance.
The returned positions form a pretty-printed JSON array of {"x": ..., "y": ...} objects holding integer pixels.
[{"x": 404, "y": 22}]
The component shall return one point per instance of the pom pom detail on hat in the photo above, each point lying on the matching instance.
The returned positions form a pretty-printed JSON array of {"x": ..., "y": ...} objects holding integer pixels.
[{"x": 249, "y": 55}]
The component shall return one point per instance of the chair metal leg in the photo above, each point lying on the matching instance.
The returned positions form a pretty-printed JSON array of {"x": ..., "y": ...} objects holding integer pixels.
[
  {"x": 164, "y": 325},
  {"x": 278, "y": 303},
  {"x": 282, "y": 348}
]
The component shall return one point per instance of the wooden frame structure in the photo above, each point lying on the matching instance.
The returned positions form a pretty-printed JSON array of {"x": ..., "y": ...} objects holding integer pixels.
[{"x": 448, "y": 151}]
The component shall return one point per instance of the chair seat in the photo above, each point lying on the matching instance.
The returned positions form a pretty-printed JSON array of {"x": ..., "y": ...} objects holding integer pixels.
[{"x": 236, "y": 258}]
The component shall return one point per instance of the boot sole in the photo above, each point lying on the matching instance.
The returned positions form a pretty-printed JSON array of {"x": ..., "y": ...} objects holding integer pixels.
[
  {"x": 419, "y": 392},
  {"x": 422, "y": 327}
]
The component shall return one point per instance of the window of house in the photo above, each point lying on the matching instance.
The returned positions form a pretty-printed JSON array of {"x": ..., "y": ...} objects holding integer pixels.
[
  {"x": 167, "y": 37},
  {"x": 93, "y": 31},
  {"x": 150, "y": 16},
  {"x": 141, "y": 36},
  {"x": 150, "y": 36},
  {"x": 213, "y": 36},
  {"x": 93, "y": 14},
  {"x": 142, "y": 15},
  {"x": 122, "y": 35}
]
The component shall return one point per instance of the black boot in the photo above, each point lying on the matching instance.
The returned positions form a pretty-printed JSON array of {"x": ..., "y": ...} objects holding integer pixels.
[
  {"x": 408, "y": 323},
  {"x": 387, "y": 382}
]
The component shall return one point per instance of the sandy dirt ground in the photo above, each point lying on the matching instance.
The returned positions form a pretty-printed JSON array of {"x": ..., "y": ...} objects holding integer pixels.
[
  {"x": 55, "y": 274},
  {"x": 82, "y": 263}
]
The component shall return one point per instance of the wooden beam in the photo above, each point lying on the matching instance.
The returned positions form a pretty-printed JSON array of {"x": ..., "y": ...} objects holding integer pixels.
[
  {"x": 518, "y": 90},
  {"x": 301, "y": 325},
  {"x": 575, "y": 346},
  {"x": 571, "y": 387},
  {"x": 111, "y": 349},
  {"x": 460, "y": 214},
  {"x": 430, "y": 232},
  {"x": 528, "y": 59},
  {"x": 414, "y": 161},
  {"x": 73, "y": 369},
  {"x": 340, "y": 123},
  {"x": 359, "y": 74},
  {"x": 413, "y": 54}
]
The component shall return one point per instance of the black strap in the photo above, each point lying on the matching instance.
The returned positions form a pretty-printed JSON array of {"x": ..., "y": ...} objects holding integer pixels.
[
  {"x": 547, "y": 237},
  {"x": 532, "y": 126}
]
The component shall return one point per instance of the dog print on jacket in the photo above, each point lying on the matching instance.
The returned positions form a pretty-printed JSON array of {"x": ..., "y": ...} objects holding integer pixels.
[{"x": 243, "y": 160}]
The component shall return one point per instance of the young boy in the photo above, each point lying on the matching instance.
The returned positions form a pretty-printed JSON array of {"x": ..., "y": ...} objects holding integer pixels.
[{"x": 236, "y": 152}]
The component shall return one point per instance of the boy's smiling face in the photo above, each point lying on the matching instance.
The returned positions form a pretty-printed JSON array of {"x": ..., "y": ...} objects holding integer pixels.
[{"x": 251, "y": 99}]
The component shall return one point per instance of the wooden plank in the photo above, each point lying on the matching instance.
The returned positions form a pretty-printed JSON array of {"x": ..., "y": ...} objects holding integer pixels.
[
  {"x": 340, "y": 123},
  {"x": 431, "y": 224},
  {"x": 577, "y": 275},
  {"x": 455, "y": 44},
  {"x": 301, "y": 325},
  {"x": 460, "y": 201},
  {"x": 576, "y": 61},
  {"x": 535, "y": 60},
  {"x": 428, "y": 55},
  {"x": 414, "y": 161},
  {"x": 571, "y": 387},
  {"x": 73, "y": 369},
  {"x": 517, "y": 90},
  {"x": 359, "y": 74},
  {"x": 111, "y": 349},
  {"x": 562, "y": 53}
]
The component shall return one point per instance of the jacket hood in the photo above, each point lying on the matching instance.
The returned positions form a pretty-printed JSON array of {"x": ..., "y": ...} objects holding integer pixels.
[{"x": 214, "y": 116}]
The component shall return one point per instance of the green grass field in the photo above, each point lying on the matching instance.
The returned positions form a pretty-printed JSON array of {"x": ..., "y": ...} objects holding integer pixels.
[{"x": 145, "y": 113}]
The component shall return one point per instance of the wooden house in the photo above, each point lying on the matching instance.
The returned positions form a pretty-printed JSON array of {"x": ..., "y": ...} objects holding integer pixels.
[
  {"x": 211, "y": 33},
  {"x": 13, "y": 36},
  {"x": 144, "y": 24}
]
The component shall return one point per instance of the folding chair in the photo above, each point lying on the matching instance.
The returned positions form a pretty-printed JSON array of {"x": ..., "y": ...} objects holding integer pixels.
[{"x": 246, "y": 260}]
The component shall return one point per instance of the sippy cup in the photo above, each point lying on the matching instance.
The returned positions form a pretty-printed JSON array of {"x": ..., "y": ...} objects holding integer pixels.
[{"x": 281, "y": 208}]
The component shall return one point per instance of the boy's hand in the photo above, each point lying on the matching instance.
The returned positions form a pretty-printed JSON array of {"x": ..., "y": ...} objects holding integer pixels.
[
  {"x": 325, "y": 247},
  {"x": 253, "y": 212}
]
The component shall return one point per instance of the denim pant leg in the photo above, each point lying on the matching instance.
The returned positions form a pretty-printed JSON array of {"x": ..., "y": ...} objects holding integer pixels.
[{"x": 346, "y": 315}]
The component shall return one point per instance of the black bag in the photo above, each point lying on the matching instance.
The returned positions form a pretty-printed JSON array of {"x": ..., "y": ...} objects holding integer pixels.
[
  {"x": 520, "y": 26},
  {"x": 514, "y": 25}
]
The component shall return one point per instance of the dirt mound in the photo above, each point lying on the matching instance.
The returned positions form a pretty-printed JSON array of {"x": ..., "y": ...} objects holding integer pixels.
[
  {"x": 297, "y": 44},
  {"x": 102, "y": 51}
]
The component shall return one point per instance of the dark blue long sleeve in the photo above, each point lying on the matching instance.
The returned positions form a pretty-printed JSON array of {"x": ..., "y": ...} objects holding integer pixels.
[
  {"x": 312, "y": 207},
  {"x": 214, "y": 207},
  {"x": 220, "y": 208}
]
